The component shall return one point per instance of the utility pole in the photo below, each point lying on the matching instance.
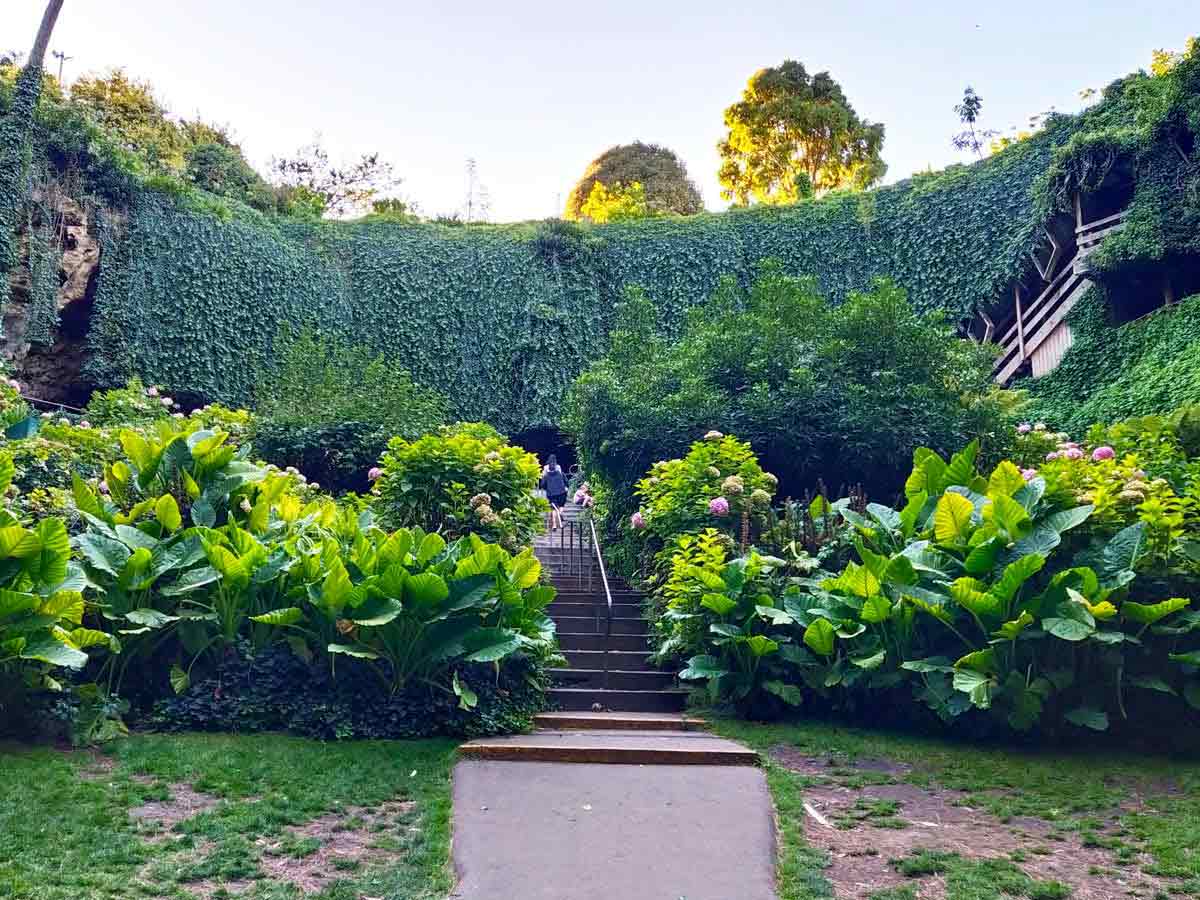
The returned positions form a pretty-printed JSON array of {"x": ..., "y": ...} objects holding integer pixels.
[{"x": 61, "y": 57}]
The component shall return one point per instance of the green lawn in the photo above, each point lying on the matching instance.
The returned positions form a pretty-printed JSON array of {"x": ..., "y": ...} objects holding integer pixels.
[
  {"x": 345, "y": 820},
  {"x": 1120, "y": 823}
]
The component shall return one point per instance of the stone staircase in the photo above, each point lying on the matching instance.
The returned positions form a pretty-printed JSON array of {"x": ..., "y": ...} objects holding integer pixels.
[{"x": 612, "y": 705}]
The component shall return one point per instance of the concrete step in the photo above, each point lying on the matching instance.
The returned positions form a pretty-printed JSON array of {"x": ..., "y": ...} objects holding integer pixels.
[
  {"x": 589, "y": 625},
  {"x": 629, "y": 660},
  {"x": 617, "y": 721},
  {"x": 617, "y": 680},
  {"x": 632, "y": 643},
  {"x": 575, "y": 699},
  {"x": 617, "y": 746},
  {"x": 571, "y": 608}
]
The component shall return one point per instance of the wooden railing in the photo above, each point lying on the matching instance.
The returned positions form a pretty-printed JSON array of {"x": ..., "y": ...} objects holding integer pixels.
[{"x": 1033, "y": 322}]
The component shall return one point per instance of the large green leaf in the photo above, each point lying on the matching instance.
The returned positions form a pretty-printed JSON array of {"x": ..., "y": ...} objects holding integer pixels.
[
  {"x": 1067, "y": 629},
  {"x": 288, "y": 615},
  {"x": 351, "y": 650},
  {"x": 49, "y": 649},
  {"x": 961, "y": 470},
  {"x": 103, "y": 553},
  {"x": 1088, "y": 717},
  {"x": 820, "y": 636},
  {"x": 1124, "y": 549},
  {"x": 491, "y": 644},
  {"x": 1006, "y": 479},
  {"x": 718, "y": 603},
  {"x": 166, "y": 510},
  {"x": 1009, "y": 515},
  {"x": 788, "y": 693},
  {"x": 703, "y": 666},
  {"x": 976, "y": 685},
  {"x": 1066, "y": 519},
  {"x": 1148, "y": 614},
  {"x": 1015, "y": 575},
  {"x": 952, "y": 518},
  {"x": 427, "y": 589},
  {"x": 760, "y": 645}
]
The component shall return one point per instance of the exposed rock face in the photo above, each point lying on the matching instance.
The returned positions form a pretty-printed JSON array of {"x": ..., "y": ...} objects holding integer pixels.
[{"x": 54, "y": 372}]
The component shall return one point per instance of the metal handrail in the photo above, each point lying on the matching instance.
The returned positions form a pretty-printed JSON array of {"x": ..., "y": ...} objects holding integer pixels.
[{"x": 607, "y": 597}]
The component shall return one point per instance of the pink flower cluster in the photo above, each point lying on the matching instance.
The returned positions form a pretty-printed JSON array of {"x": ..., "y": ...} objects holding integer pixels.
[
  {"x": 374, "y": 473},
  {"x": 1104, "y": 452},
  {"x": 637, "y": 521},
  {"x": 718, "y": 506}
]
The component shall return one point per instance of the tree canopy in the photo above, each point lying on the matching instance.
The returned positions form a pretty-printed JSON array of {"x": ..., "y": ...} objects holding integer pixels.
[
  {"x": 659, "y": 171},
  {"x": 793, "y": 135}
]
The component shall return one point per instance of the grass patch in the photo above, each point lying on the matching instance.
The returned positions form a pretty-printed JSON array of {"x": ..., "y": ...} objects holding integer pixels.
[
  {"x": 68, "y": 833},
  {"x": 1144, "y": 811}
]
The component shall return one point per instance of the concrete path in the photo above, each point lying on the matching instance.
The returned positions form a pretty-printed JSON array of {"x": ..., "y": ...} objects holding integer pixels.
[{"x": 572, "y": 831}]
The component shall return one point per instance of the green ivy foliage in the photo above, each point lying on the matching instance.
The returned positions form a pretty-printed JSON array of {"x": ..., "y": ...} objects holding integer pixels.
[
  {"x": 1151, "y": 365},
  {"x": 14, "y": 164},
  {"x": 500, "y": 319}
]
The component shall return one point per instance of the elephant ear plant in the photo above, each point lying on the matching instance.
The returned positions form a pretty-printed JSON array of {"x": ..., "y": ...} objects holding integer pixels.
[
  {"x": 410, "y": 606},
  {"x": 41, "y": 607},
  {"x": 1019, "y": 629}
]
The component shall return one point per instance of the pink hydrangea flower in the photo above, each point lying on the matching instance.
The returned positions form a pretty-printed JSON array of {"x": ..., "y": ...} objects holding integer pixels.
[
  {"x": 637, "y": 521},
  {"x": 1073, "y": 453},
  {"x": 104, "y": 487},
  {"x": 375, "y": 473},
  {"x": 1051, "y": 456},
  {"x": 1105, "y": 452},
  {"x": 1024, "y": 428},
  {"x": 1029, "y": 474},
  {"x": 718, "y": 506},
  {"x": 151, "y": 392}
]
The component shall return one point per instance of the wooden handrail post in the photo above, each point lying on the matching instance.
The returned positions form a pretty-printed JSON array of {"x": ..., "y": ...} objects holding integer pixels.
[{"x": 1020, "y": 321}]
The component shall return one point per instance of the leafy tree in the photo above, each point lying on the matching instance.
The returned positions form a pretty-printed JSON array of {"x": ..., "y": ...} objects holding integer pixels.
[
  {"x": 128, "y": 109},
  {"x": 308, "y": 180},
  {"x": 220, "y": 168},
  {"x": 620, "y": 203},
  {"x": 659, "y": 171},
  {"x": 843, "y": 393},
  {"x": 971, "y": 138},
  {"x": 793, "y": 135}
]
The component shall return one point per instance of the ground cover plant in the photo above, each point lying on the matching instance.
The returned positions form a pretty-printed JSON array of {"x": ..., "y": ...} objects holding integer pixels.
[
  {"x": 262, "y": 816},
  {"x": 867, "y": 813}
]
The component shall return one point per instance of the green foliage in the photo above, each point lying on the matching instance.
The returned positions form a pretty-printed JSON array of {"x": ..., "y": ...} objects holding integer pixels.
[
  {"x": 674, "y": 497},
  {"x": 465, "y": 478},
  {"x": 323, "y": 380},
  {"x": 1031, "y": 598},
  {"x": 618, "y": 203},
  {"x": 813, "y": 387},
  {"x": 660, "y": 172},
  {"x": 1147, "y": 366},
  {"x": 42, "y": 632},
  {"x": 793, "y": 135}
]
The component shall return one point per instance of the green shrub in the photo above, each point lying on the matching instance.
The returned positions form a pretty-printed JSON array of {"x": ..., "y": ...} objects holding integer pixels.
[
  {"x": 1032, "y": 599},
  {"x": 323, "y": 380},
  {"x": 814, "y": 388},
  {"x": 41, "y": 611},
  {"x": 464, "y": 478}
]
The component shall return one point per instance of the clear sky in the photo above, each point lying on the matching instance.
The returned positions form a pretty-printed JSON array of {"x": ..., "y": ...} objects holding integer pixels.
[{"x": 534, "y": 90}]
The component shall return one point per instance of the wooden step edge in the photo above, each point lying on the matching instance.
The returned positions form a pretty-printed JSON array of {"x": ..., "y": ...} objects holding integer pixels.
[
  {"x": 582, "y": 721},
  {"x": 653, "y": 756}
]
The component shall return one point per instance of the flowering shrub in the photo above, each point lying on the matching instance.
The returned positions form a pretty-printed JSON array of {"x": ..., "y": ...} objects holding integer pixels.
[
  {"x": 714, "y": 485},
  {"x": 461, "y": 479},
  {"x": 1009, "y": 601}
]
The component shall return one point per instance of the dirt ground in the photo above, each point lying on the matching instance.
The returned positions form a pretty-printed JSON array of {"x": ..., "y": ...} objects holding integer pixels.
[{"x": 864, "y": 822}]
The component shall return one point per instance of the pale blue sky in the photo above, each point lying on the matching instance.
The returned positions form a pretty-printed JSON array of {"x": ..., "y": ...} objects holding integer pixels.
[{"x": 534, "y": 90}]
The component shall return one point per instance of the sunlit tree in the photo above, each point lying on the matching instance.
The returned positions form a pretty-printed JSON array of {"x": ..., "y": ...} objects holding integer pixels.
[
  {"x": 659, "y": 171},
  {"x": 793, "y": 135}
]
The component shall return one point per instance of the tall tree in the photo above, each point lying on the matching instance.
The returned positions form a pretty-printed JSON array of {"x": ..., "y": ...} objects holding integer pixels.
[
  {"x": 14, "y": 138},
  {"x": 793, "y": 135},
  {"x": 971, "y": 138},
  {"x": 659, "y": 171},
  {"x": 310, "y": 180}
]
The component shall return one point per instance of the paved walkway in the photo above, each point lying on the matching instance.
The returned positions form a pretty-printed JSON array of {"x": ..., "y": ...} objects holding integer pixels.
[{"x": 579, "y": 831}]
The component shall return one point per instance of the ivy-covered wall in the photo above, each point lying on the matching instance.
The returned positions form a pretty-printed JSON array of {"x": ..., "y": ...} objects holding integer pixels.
[
  {"x": 1151, "y": 365},
  {"x": 501, "y": 318},
  {"x": 193, "y": 291}
]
